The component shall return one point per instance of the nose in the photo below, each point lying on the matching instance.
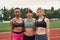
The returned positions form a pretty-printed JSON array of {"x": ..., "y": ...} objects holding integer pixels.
[{"x": 17, "y": 13}]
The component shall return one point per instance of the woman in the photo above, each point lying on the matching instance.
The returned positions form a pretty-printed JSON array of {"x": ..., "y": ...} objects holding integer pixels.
[
  {"x": 29, "y": 26},
  {"x": 42, "y": 30},
  {"x": 17, "y": 25}
]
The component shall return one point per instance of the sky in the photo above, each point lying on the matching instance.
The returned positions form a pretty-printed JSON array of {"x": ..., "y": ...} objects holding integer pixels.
[{"x": 32, "y": 4}]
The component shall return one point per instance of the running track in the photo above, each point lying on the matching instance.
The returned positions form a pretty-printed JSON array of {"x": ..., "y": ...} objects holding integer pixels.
[{"x": 54, "y": 35}]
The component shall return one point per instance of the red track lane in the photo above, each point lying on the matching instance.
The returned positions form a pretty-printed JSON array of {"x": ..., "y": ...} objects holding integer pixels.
[{"x": 54, "y": 35}]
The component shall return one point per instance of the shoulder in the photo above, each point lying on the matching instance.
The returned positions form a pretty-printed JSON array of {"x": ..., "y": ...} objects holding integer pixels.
[
  {"x": 22, "y": 19},
  {"x": 46, "y": 19},
  {"x": 12, "y": 20},
  {"x": 34, "y": 19},
  {"x": 25, "y": 19}
]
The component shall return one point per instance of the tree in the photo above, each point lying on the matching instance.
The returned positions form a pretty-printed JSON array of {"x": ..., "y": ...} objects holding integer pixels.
[
  {"x": 50, "y": 14},
  {"x": 52, "y": 8},
  {"x": 23, "y": 14},
  {"x": 6, "y": 14},
  {"x": 58, "y": 13},
  {"x": 11, "y": 13},
  {"x": 34, "y": 15}
]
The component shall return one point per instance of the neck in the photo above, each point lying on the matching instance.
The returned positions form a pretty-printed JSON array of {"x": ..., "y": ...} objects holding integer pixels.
[
  {"x": 17, "y": 17},
  {"x": 41, "y": 16},
  {"x": 29, "y": 17}
]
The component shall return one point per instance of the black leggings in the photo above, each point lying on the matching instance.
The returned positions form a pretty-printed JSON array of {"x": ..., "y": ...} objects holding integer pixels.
[
  {"x": 41, "y": 37},
  {"x": 29, "y": 37}
]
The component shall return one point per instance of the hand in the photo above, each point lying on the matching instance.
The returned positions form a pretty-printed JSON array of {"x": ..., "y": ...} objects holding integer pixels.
[
  {"x": 10, "y": 35},
  {"x": 48, "y": 38}
]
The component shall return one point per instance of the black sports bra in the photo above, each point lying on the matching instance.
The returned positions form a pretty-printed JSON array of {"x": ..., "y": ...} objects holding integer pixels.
[
  {"x": 16, "y": 24},
  {"x": 41, "y": 23}
]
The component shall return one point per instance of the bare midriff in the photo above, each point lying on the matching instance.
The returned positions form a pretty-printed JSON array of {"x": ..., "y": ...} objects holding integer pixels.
[
  {"x": 41, "y": 30},
  {"x": 29, "y": 32},
  {"x": 17, "y": 29}
]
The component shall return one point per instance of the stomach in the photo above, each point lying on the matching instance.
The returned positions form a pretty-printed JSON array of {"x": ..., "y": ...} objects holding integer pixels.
[
  {"x": 29, "y": 32},
  {"x": 40, "y": 30},
  {"x": 18, "y": 29}
]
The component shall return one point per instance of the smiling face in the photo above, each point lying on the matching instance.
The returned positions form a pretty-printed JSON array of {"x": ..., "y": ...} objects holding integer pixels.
[{"x": 17, "y": 12}]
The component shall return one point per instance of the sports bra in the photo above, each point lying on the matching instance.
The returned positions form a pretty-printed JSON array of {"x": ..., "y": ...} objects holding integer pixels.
[
  {"x": 29, "y": 23},
  {"x": 41, "y": 23},
  {"x": 16, "y": 24}
]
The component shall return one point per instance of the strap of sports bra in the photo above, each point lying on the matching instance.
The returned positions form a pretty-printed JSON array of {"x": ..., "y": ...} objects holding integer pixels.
[
  {"x": 44, "y": 19},
  {"x": 14, "y": 20}
]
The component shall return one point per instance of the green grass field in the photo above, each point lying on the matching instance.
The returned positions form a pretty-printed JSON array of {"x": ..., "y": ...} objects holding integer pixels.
[
  {"x": 54, "y": 25},
  {"x": 4, "y": 27}
]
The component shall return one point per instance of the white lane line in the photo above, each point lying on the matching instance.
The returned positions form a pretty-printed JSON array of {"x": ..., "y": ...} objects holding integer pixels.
[{"x": 55, "y": 29}]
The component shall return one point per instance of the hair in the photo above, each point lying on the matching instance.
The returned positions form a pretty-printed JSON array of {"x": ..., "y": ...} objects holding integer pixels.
[
  {"x": 17, "y": 8},
  {"x": 40, "y": 9},
  {"x": 28, "y": 10}
]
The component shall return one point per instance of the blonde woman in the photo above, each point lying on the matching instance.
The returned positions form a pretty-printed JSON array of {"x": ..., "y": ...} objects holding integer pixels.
[{"x": 42, "y": 29}]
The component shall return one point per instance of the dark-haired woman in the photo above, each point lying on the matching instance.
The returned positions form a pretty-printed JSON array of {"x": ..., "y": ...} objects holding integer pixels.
[
  {"x": 17, "y": 25},
  {"x": 29, "y": 26}
]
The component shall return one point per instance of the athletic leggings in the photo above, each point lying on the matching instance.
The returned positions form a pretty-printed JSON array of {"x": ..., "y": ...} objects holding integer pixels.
[
  {"x": 29, "y": 37},
  {"x": 41, "y": 37}
]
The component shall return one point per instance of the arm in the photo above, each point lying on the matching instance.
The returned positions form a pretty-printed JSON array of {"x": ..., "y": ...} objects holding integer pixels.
[
  {"x": 34, "y": 25},
  {"x": 11, "y": 28},
  {"x": 23, "y": 25},
  {"x": 11, "y": 25},
  {"x": 48, "y": 31}
]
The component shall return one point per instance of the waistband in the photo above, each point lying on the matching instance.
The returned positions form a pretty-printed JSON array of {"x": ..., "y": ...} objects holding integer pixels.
[
  {"x": 41, "y": 34},
  {"x": 29, "y": 36},
  {"x": 17, "y": 32}
]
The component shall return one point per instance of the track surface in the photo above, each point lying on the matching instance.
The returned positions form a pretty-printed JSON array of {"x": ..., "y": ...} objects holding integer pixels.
[{"x": 54, "y": 35}]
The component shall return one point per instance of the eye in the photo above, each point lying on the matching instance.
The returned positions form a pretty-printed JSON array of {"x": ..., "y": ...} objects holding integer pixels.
[
  {"x": 40, "y": 11},
  {"x": 37, "y": 12},
  {"x": 17, "y": 12}
]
